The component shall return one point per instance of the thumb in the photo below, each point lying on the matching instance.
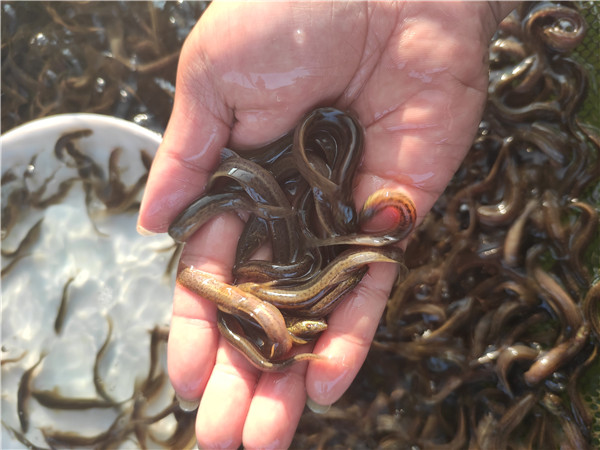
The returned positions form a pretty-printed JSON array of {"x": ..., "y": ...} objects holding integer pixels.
[{"x": 190, "y": 148}]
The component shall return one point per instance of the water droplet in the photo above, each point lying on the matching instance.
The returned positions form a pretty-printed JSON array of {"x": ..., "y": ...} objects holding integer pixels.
[
  {"x": 100, "y": 84},
  {"x": 564, "y": 25},
  {"x": 39, "y": 39},
  {"x": 299, "y": 36},
  {"x": 140, "y": 118}
]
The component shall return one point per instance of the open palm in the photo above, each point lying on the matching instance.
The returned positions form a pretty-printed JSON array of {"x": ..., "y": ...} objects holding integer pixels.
[{"x": 414, "y": 73}]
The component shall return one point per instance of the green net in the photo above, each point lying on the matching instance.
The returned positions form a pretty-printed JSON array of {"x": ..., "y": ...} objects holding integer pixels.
[{"x": 588, "y": 53}]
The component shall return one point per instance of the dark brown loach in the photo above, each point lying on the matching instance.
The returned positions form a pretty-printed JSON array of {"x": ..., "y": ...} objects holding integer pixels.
[
  {"x": 62, "y": 307},
  {"x": 30, "y": 239},
  {"x": 549, "y": 362},
  {"x": 205, "y": 208},
  {"x": 234, "y": 334},
  {"x": 306, "y": 294},
  {"x": 115, "y": 435},
  {"x": 337, "y": 139},
  {"x": 262, "y": 271},
  {"x": 98, "y": 381},
  {"x": 53, "y": 400},
  {"x": 24, "y": 393},
  {"x": 260, "y": 185},
  {"x": 297, "y": 195},
  {"x": 254, "y": 235}
]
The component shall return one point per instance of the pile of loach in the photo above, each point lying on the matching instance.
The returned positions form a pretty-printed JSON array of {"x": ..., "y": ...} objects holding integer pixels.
[
  {"x": 492, "y": 339},
  {"x": 297, "y": 193},
  {"x": 114, "y": 59}
]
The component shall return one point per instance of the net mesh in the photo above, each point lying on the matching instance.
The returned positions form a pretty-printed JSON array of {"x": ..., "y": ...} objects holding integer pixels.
[{"x": 588, "y": 53}]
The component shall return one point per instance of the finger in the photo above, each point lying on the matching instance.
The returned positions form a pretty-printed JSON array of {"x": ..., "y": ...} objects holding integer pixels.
[
  {"x": 198, "y": 129},
  {"x": 346, "y": 342},
  {"x": 224, "y": 406},
  {"x": 194, "y": 337},
  {"x": 192, "y": 344},
  {"x": 276, "y": 408},
  {"x": 201, "y": 363}
]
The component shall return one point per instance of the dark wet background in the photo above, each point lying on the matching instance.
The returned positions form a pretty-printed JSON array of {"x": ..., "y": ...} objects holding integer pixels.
[
  {"x": 119, "y": 59},
  {"x": 113, "y": 58}
]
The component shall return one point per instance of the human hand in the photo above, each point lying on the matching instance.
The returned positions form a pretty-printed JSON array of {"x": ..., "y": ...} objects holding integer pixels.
[{"x": 414, "y": 73}]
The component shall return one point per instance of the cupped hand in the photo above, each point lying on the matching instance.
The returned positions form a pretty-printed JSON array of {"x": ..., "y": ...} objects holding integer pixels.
[{"x": 414, "y": 73}]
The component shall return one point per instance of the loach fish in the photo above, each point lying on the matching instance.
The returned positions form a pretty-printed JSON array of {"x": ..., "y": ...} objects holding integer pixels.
[
  {"x": 62, "y": 308},
  {"x": 173, "y": 261},
  {"x": 326, "y": 304},
  {"x": 205, "y": 208},
  {"x": 98, "y": 383},
  {"x": 550, "y": 361},
  {"x": 232, "y": 300},
  {"x": 297, "y": 194},
  {"x": 581, "y": 239},
  {"x": 52, "y": 399},
  {"x": 153, "y": 380},
  {"x": 264, "y": 271},
  {"x": 339, "y": 137},
  {"x": 305, "y": 328},
  {"x": 30, "y": 238},
  {"x": 26, "y": 243},
  {"x": 13, "y": 360},
  {"x": 183, "y": 437},
  {"x": 110, "y": 438},
  {"x": 309, "y": 292},
  {"x": 254, "y": 235},
  {"x": 233, "y": 333},
  {"x": 23, "y": 394},
  {"x": 405, "y": 213},
  {"x": 21, "y": 438},
  {"x": 64, "y": 187},
  {"x": 61, "y": 143},
  {"x": 260, "y": 185}
]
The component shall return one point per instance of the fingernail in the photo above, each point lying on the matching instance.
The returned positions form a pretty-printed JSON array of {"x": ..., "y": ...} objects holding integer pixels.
[
  {"x": 315, "y": 407},
  {"x": 187, "y": 405},
  {"x": 141, "y": 230}
]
